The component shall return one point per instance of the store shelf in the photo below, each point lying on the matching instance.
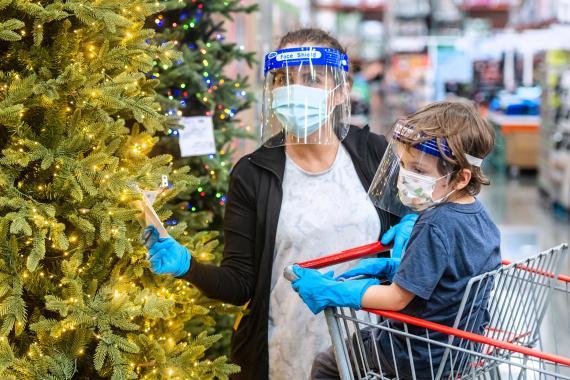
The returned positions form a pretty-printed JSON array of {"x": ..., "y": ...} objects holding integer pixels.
[
  {"x": 367, "y": 12},
  {"x": 409, "y": 44},
  {"x": 535, "y": 25},
  {"x": 351, "y": 8},
  {"x": 497, "y": 14},
  {"x": 518, "y": 143},
  {"x": 497, "y": 8},
  {"x": 411, "y": 16},
  {"x": 515, "y": 123}
]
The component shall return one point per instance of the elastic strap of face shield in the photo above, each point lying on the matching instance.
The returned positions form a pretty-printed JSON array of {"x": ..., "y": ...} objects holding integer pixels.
[{"x": 474, "y": 161}]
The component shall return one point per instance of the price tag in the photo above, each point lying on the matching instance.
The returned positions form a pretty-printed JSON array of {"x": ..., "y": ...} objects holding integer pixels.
[
  {"x": 150, "y": 195},
  {"x": 197, "y": 137},
  {"x": 150, "y": 215}
]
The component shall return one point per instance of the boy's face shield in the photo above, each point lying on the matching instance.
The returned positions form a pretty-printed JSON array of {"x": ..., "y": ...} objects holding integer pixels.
[
  {"x": 305, "y": 97},
  {"x": 410, "y": 178}
]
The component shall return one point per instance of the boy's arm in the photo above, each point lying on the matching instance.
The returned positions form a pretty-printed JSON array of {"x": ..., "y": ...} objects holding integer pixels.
[
  {"x": 419, "y": 272},
  {"x": 386, "y": 297}
]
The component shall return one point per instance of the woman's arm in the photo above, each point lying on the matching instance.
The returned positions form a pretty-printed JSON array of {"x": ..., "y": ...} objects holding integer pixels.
[
  {"x": 386, "y": 297},
  {"x": 234, "y": 279}
]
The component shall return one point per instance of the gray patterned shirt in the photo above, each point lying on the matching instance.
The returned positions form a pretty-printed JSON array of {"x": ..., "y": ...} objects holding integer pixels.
[{"x": 321, "y": 213}]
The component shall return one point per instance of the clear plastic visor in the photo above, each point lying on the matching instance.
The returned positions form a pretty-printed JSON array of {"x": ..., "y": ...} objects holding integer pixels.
[
  {"x": 408, "y": 180},
  {"x": 305, "y": 103}
]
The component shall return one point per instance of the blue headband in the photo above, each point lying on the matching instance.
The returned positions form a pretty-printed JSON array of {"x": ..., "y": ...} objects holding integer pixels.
[
  {"x": 316, "y": 56},
  {"x": 430, "y": 147}
]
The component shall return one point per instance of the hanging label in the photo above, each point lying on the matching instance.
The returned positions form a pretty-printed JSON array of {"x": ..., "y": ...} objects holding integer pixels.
[
  {"x": 151, "y": 195},
  {"x": 164, "y": 182},
  {"x": 150, "y": 215},
  {"x": 197, "y": 137}
]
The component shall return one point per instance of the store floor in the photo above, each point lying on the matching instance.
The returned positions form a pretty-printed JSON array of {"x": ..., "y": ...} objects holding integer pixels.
[
  {"x": 527, "y": 222},
  {"x": 529, "y": 225}
]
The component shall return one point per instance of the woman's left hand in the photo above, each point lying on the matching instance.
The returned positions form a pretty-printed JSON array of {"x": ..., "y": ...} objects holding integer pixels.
[
  {"x": 400, "y": 233},
  {"x": 166, "y": 255}
]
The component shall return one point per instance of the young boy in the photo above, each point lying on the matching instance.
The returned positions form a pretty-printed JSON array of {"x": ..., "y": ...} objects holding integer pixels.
[{"x": 439, "y": 150}]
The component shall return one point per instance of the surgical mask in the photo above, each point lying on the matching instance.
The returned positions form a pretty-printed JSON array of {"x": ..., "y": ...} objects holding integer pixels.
[
  {"x": 416, "y": 190},
  {"x": 301, "y": 109}
]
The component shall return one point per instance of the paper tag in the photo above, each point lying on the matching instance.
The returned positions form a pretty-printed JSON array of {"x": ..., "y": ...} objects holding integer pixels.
[
  {"x": 150, "y": 215},
  {"x": 164, "y": 182},
  {"x": 150, "y": 195},
  {"x": 197, "y": 137}
]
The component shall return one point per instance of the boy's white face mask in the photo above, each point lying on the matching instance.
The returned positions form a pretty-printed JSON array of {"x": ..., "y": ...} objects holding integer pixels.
[{"x": 416, "y": 190}]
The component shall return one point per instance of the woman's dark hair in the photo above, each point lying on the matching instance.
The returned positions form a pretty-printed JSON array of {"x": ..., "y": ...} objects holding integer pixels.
[
  {"x": 316, "y": 36},
  {"x": 313, "y": 35}
]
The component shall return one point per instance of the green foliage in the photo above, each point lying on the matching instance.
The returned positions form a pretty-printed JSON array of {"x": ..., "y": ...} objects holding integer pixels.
[
  {"x": 198, "y": 85},
  {"x": 79, "y": 116},
  {"x": 7, "y": 30}
]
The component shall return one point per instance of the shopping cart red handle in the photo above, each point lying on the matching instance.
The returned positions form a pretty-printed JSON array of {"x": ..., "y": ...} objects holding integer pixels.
[
  {"x": 470, "y": 336},
  {"x": 561, "y": 277},
  {"x": 337, "y": 258}
]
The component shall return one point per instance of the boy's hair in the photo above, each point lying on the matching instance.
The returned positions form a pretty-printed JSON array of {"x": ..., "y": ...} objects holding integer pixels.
[{"x": 459, "y": 123}]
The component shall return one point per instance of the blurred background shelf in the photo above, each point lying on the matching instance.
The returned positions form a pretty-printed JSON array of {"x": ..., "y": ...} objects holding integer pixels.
[{"x": 407, "y": 53}]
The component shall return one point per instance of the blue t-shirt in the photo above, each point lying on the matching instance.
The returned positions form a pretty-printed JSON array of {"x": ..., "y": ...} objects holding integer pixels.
[{"x": 449, "y": 245}]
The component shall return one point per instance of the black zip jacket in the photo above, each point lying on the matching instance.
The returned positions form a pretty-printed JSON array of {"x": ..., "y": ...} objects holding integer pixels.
[{"x": 252, "y": 212}]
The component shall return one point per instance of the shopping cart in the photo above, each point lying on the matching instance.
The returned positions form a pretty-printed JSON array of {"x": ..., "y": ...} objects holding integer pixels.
[{"x": 514, "y": 299}]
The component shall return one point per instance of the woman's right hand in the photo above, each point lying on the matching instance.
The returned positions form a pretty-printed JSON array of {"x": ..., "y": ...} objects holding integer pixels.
[{"x": 166, "y": 255}]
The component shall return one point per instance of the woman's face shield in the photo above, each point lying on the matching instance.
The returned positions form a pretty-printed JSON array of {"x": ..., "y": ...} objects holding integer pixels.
[
  {"x": 306, "y": 97},
  {"x": 303, "y": 75}
]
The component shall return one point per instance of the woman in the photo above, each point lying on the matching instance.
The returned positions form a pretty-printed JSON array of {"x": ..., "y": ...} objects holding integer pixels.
[{"x": 302, "y": 195}]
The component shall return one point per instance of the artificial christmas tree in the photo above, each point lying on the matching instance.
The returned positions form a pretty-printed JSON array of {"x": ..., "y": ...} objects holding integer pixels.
[
  {"x": 199, "y": 85},
  {"x": 77, "y": 118}
]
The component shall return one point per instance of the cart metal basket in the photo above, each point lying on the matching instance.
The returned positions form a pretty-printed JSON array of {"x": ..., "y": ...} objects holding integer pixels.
[{"x": 498, "y": 332}]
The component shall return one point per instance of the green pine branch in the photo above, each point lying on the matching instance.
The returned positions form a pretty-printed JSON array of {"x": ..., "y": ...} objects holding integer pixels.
[
  {"x": 79, "y": 115},
  {"x": 197, "y": 85}
]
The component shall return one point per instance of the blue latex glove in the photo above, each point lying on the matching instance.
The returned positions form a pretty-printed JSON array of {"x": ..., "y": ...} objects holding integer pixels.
[
  {"x": 166, "y": 255},
  {"x": 150, "y": 236},
  {"x": 379, "y": 267},
  {"x": 319, "y": 291},
  {"x": 400, "y": 233}
]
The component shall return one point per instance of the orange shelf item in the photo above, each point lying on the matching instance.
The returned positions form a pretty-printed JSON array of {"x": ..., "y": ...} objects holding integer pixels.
[
  {"x": 514, "y": 124},
  {"x": 508, "y": 129}
]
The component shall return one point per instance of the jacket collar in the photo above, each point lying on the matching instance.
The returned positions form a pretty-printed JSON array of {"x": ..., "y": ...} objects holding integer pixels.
[
  {"x": 273, "y": 159},
  {"x": 356, "y": 140}
]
